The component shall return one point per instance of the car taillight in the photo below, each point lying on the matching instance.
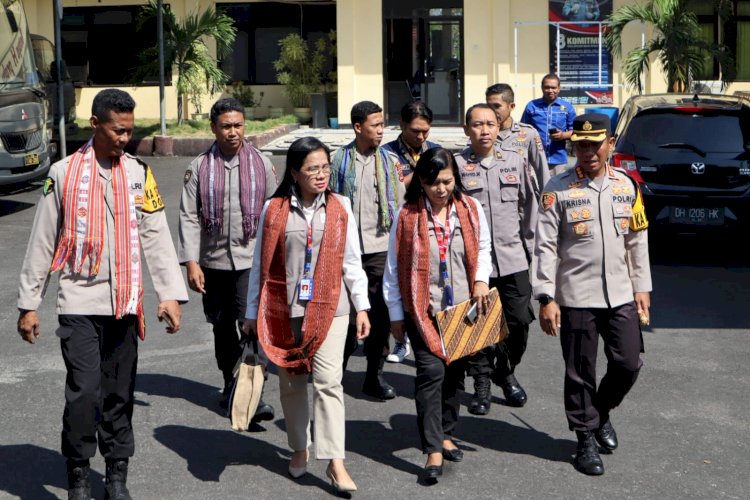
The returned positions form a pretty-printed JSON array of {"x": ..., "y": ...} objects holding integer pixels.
[{"x": 627, "y": 163}]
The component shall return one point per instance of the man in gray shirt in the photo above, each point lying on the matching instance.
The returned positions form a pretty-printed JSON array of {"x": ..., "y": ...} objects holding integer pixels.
[
  {"x": 373, "y": 179},
  {"x": 223, "y": 194}
]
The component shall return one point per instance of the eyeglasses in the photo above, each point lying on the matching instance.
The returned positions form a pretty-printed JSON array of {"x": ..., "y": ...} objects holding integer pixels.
[{"x": 316, "y": 169}]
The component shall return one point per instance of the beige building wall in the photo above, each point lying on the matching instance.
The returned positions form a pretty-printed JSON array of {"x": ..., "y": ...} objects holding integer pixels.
[
  {"x": 490, "y": 34},
  {"x": 359, "y": 31}
]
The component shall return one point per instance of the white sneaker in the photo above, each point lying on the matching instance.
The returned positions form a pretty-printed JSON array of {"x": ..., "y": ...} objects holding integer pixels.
[{"x": 400, "y": 351}]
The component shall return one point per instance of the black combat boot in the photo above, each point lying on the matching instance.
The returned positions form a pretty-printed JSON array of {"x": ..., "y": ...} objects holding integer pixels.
[
  {"x": 480, "y": 403},
  {"x": 513, "y": 392},
  {"x": 117, "y": 476},
  {"x": 587, "y": 458},
  {"x": 375, "y": 385},
  {"x": 79, "y": 487}
]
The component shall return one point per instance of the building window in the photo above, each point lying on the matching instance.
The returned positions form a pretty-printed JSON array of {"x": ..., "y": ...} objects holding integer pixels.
[
  {"x": 100, "y": 44},
  {"x": 261, "y": 25},
  {"x": 734, "y": 33}
]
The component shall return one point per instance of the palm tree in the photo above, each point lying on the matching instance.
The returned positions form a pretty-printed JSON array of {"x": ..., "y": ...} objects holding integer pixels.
[
  {"x": 677, "y": 42},
  {"x": 185, "y": 49}
]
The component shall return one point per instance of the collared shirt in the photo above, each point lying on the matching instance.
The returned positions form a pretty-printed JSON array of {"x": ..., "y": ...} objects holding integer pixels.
[
  {"x": 526, "y": 141},
  {"x": 373, "y": 239},
  {"x": 586, "y": 255},
  {"x": 354, "y": 279},
  {"x": 504, "y": 185},
  {"x": 97, "y": 295},
  {"x": 542, "y": 116},
  {"x": 391, "y": 290},
  {"x": 407, "y": 159},
  {"x": 227, "y": 250}
]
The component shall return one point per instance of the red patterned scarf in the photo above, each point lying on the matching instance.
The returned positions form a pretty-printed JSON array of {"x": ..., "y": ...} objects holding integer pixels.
[
  {"x": 84, "y": 229},
  {"x": 413, "y": 256},
  {"x": 274, "y": 332},
  {"x": 211, "y": 187}
]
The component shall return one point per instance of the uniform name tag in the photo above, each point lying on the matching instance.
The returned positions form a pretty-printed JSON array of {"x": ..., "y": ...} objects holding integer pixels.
[{"x": 305, "y": 289}]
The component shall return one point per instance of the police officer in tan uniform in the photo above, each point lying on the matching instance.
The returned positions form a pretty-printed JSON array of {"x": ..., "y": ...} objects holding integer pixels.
[
  {"x": 592, "y": 277},
  {"x": 516, "y": 135},
  {"x": 223, "y": 194},
  {"x": 372, "y": 177},
  {"x": 502, "y": 181},
  {"x": 100, "y": 209}
]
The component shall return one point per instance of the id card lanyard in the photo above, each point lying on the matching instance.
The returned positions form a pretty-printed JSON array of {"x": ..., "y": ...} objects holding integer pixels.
[
  {"x": 306, "y": 283},
  {"x": 443, "y": 236}
]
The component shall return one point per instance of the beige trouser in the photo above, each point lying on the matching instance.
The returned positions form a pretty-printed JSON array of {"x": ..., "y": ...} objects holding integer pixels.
[{"x": 328, "y": 396}]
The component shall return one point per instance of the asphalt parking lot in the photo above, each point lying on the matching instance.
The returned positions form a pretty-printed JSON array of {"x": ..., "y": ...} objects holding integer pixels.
[{"x": 684, "y": 429}]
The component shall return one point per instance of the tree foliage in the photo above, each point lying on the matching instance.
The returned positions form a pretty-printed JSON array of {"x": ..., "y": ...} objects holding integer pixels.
[
  {"x": 301, "y": 72},
  {"x": 186, "y": 51},
  {"x": 677, "y": 44}
]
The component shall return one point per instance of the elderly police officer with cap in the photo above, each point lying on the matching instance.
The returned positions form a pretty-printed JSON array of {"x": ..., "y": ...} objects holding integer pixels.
[{"x": 592, "y": 277}]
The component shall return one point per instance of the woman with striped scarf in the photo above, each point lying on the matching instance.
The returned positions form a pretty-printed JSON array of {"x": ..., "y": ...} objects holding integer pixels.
[{"x": 306, "y": 270}]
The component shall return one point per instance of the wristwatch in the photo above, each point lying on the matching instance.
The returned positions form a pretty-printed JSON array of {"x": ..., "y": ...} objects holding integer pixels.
[{"x": 545, "y": 299}]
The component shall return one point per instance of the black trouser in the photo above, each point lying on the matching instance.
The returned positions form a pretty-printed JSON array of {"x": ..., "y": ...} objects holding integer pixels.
[
  {"x": 587, "y": 407},
  {"x": 224, "y": 305},
  {"x": 436, "y": 392},
  {"x": 380, "y": 324},
  {"x": 101, "y": 355},
  {"x": 515, "y": 296}
]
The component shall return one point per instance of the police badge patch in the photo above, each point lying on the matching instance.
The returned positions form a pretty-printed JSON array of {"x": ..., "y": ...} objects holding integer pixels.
[
  {"x": 188, "y": 176},
  {"x": 48, "y": 186},
  {"x": 548, "y": 199}
]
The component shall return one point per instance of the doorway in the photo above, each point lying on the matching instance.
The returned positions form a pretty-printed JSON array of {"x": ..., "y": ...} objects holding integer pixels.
[{"x": 424, "y": 58}]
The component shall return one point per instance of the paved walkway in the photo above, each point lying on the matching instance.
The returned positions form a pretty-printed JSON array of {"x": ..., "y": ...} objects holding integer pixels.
[{"x": 452, "y": 138}]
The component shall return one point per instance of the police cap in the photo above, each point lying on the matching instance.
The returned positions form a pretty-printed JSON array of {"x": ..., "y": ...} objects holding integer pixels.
[{"x": 591, "y": 127}]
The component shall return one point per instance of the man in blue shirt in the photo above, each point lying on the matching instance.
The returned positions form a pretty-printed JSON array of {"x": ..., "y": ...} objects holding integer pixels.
[{"x": 553, "y": 118}]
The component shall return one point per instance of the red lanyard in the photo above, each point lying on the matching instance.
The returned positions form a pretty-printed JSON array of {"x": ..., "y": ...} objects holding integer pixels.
[
  {"x": 443, "y": 236},
  {"x": 308, "y": 250}
]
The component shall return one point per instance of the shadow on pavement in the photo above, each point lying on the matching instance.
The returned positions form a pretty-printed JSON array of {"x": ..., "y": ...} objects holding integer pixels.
[
  {"x": 9, "y": 207},
  {"x": 169, "y": 386},
  {"x": 379, "y": 443},
  {"x": 517, "y": 439},
  {"x": 208, "y": 452},
  {"x": 26, "y": 469}
]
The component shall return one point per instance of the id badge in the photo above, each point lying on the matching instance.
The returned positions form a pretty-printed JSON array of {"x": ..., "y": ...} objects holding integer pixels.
[{"x": 305, "y": 289}]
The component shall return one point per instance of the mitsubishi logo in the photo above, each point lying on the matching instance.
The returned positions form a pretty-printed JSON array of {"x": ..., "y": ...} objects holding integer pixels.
[{"x": 698, "y": 168}]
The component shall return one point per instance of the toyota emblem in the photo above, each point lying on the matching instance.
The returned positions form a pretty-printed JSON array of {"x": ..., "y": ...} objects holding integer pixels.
[{"x": 698, "y": 168}]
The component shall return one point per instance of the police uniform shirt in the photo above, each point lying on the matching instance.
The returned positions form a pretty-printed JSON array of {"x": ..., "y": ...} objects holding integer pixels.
[
  {"x": 591, "y": 241},
  {"x": 227, "y": 250},
  {"x": 504, "y": 185},
  {"x": 354, "y": 279},
  {"x": 96, "y": 295},
  {"x": 366, "y": 209},
  {"x": 526, "y": 141}
]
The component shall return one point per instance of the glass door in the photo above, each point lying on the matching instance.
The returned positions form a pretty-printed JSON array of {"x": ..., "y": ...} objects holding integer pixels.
[{"x": 443, "y": 66}]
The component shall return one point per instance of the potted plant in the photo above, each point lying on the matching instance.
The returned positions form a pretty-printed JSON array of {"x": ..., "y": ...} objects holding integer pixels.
[
  {"x": 299, "y": 72},
  {"x": 246, "y": 96},
  {"x": 327, "y": 46}
]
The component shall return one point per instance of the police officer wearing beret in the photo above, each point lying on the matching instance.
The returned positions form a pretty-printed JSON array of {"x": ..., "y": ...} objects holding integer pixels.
[
  {"x": 592, "y": 277},
  {"x": 502, "y": 181}
]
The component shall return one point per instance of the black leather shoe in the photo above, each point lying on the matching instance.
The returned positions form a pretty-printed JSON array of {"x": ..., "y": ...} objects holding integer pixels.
[
  {"x": 480, "y": 403},
  {"x": 379, "y": 390},
  {"x": 263, "y": 412},
  {"x": 513, "y": 392},
  {"x": 454, "y": 455},
  {"x": 606, "y": 437},
  {"x": 587, "y": 460},
  {"x": 432, "y": 472}
]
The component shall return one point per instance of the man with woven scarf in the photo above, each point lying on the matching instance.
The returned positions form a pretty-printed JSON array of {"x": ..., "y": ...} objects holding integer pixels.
[
  {"x": 223, "y": 194},
  {"x": 373, "y": 179},
  {"x": 100, "y": 207}
]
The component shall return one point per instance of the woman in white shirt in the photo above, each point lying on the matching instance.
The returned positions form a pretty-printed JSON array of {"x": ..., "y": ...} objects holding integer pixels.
[
  {"x": 306, "y": 269},
  {"x": 438, "y": 256}
]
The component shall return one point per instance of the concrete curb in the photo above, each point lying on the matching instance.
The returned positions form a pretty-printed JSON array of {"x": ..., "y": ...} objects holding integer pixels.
[{"x": 187, "y": 146}]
